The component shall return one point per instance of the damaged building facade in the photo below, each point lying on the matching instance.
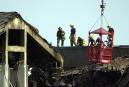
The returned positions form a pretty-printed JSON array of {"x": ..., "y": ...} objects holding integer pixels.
[{"x": 23, "y": 51}]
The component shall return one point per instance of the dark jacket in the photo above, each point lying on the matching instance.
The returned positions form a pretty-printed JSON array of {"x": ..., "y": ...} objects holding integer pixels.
[{"x": 60, "y": 34}]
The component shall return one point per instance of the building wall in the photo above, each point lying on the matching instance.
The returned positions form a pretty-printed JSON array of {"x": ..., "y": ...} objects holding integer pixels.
[
  {"x": 78, "y": 56},
  {"x": 74, "y": 56}
]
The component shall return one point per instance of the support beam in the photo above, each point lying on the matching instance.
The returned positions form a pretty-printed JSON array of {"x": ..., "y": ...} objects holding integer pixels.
[
  {"x": 6, "y": 75},
  {"x": 16, "y": 48},
  {"x": 25, "y": 60}
]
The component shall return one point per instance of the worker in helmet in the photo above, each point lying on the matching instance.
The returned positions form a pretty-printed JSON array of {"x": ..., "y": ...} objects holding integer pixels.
[
  {"x": 98, "y": 41},
  {"x": 91, "y": 40},
  {"x": 81, "y": 42},
  {"x": 110, "y": 36},
  {"x": 111, "y": 31},
  {"x": 72, "y": 36},
  {"x": 60, "y": 36}
]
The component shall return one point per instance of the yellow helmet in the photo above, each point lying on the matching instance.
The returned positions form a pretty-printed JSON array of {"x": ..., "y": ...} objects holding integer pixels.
[{"x": 91, "y": 36}]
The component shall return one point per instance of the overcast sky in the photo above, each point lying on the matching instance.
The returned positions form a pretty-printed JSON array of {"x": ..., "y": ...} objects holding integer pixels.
[{"x": 48, "y": 15}]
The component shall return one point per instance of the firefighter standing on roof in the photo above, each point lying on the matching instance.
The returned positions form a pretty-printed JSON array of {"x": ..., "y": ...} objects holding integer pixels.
[
  {"x": 60, "y": 36},
  {"x": 72, "y": 36}
]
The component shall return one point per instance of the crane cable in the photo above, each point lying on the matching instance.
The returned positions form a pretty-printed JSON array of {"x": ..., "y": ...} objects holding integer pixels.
[
  {"x": 95, "y": 23},
  {"x": 106, "y": 20},
  {"x": 100, "y": 17},
  {"x": 102, "y": 6}
]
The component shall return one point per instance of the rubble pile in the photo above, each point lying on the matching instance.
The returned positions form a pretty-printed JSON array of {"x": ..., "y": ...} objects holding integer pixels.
[{"x": 97, "y": 76}]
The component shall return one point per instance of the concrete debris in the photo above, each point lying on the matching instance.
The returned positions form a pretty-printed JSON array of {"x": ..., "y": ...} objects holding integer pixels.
[{"x": 114, "y": 75}]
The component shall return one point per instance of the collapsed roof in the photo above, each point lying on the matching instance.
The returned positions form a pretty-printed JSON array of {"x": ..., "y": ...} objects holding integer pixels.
[{"x": 37, "y": 47}]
